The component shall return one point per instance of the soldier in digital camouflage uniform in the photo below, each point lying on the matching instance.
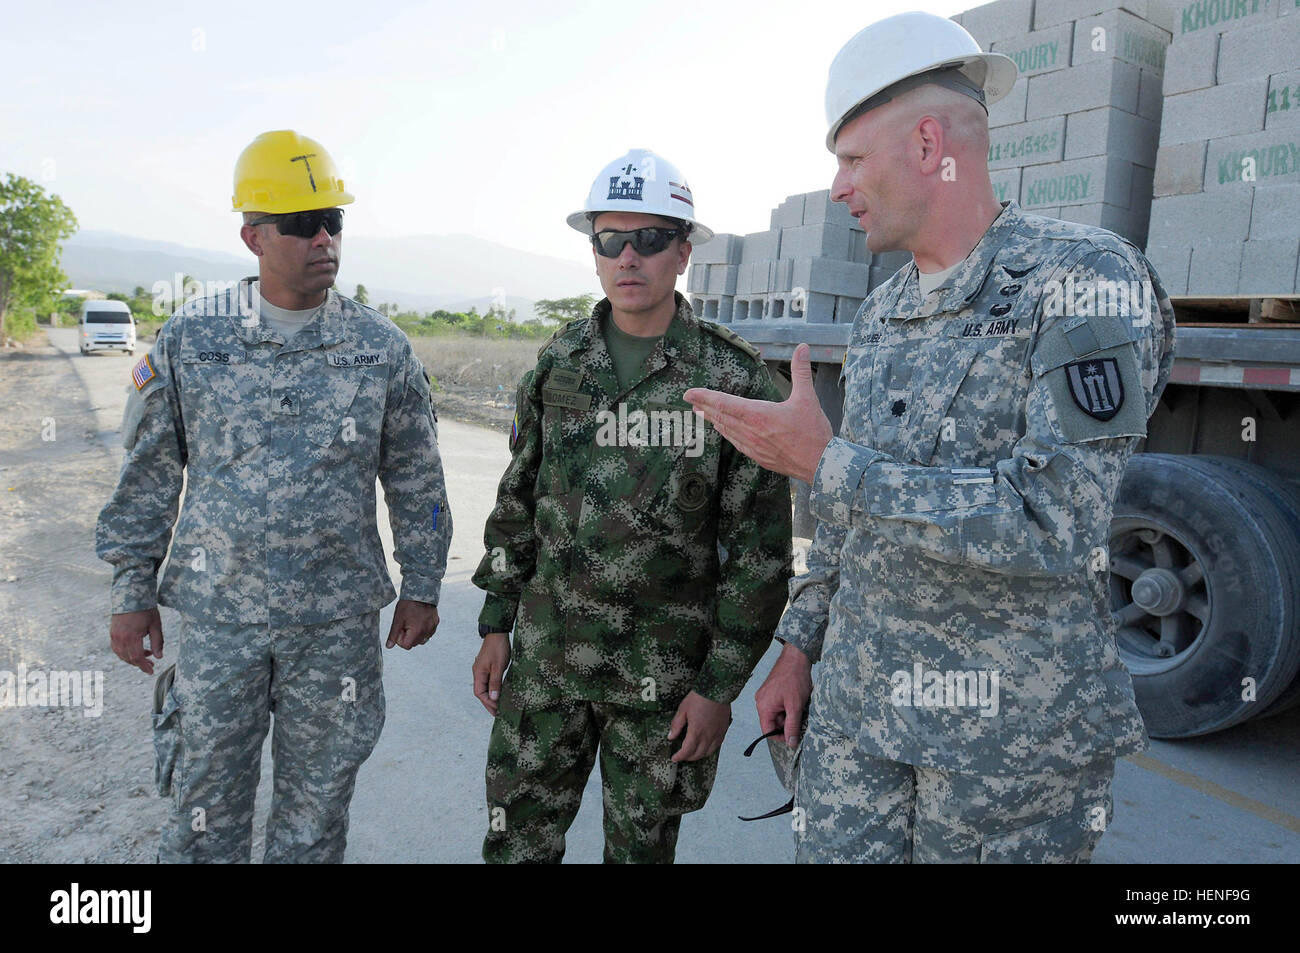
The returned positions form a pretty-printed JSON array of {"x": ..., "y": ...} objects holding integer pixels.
[
  {"x": 970, "y": 702},
  {"x": 280, "y": 401},
  {"x": 642, "y": 576}
]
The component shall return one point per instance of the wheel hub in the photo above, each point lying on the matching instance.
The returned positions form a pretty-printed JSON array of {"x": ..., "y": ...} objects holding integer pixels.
[{"x": 1158, "y": 591}]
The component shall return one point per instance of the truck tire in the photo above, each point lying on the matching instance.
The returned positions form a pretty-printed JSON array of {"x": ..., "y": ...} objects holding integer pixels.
[
  {"x": 1287, "y": 494},
  {"x": 1205, "y": 587}
]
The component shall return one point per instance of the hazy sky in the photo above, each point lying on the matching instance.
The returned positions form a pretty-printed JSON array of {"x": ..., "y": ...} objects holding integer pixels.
[{"x": 490, "y": 119}]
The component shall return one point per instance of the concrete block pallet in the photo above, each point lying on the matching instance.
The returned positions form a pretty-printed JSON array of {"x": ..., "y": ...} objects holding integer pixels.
[
  {"x": 1174, "y": 123},
  {"x": 1226, "y": 193},
  {"x": 1077, "y": 136}
]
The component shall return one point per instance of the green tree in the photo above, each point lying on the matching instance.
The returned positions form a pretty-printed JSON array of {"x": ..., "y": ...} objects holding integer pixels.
[
  {"x": 32, "y": 224},
  {"x": 361, "y": 297},
  {"x": 565, "y": 309}
]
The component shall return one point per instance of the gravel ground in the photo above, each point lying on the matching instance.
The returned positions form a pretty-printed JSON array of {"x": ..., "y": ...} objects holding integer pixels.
[{"x": 73, "y": 786}]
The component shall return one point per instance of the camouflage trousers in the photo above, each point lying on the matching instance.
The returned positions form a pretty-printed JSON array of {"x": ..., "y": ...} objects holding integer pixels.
[
  {"x": 855, "y": 807},
  {"x": 322, "y": 682},
  {"x": 539, "y": 759}
]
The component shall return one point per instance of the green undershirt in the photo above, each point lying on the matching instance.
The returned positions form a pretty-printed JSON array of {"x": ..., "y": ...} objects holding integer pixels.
[{"x": 627, "y": 351}]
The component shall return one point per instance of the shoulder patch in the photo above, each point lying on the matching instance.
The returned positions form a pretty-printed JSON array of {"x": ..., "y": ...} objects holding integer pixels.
[
  {"x": 142, "y": 373},
  {"x": 732, "y": 338},
  {"x": 558, "y": 331}
]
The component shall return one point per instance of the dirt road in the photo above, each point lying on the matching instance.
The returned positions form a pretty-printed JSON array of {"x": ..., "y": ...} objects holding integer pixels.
[{"x": 78, "y": 788}]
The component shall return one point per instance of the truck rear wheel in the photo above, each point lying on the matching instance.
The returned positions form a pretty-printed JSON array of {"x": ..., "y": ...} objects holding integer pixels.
[
  {"x": 1205, "y": 588},
  {"x": 1288, "y": 495}
]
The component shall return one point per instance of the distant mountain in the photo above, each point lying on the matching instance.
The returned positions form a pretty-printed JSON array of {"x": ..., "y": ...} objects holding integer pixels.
[
  {"x": 107, "y": 261},
  {"x": 423, "y": 272}
]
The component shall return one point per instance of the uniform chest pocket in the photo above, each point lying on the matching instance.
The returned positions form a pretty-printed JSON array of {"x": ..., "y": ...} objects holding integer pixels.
[
  {"x": 567, "y": 436},
  {"x": 915, "y": 416},
  {"x": 225, "y": 402},
  {"x": 345, "y": 411},
  {"x": 677, "y": 488},
  {"x": 971, "y": 410},
  {"x": 855, "y": 378}
]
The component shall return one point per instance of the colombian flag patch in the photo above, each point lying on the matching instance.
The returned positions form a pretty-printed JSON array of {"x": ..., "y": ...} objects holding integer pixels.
[{"x": 142, "y": 373}]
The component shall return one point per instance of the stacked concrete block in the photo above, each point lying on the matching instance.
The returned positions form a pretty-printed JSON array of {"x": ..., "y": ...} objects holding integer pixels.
[
  {"x": 722, "y": 279},
  {"x": 811, "y": 265},
  {"x": 720, "y": 250},
  {"x": 780, "y": 276},
  {"x": 789, "y": 213},
  {"x": 761, "y": 246},
  {"x": 723, "y": 251},
  {"x": 829, "y": 276},
  {"x": 1079, "y": 129},
  {"x": 712, "y": 307},
  {"x": 1226, "y": 199},
  {"x": 1006, "y": 184},
  {"x": 819, "y": 208},
  {"x": 884, "y": 266},
  {"x": 816, "y": 241}
]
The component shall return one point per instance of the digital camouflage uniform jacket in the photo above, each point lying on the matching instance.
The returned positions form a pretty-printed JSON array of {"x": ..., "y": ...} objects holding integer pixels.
[
  {"x": 964, "y": 508},
  {"x": 280, "y": 446},
  {"x": 605, "y": 558}
]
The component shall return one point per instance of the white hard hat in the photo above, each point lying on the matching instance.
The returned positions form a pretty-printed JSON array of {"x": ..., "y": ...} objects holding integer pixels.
[
  {"x": 904, "y": 46},
  {"x": 641, "y": 181}
]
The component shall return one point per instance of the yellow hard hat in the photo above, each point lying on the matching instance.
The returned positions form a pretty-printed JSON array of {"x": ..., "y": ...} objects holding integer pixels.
[{"x": 282, "y": 172}]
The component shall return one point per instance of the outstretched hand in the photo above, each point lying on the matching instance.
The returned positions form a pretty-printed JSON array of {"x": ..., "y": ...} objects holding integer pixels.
[{"x": 789, "y": 437}]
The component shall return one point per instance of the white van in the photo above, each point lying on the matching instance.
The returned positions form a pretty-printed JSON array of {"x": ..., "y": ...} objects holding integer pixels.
[{"x": 106, "y": 326}]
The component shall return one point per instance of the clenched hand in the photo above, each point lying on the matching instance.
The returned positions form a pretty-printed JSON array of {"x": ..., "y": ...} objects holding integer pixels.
[{"x": 413, "y": 624}]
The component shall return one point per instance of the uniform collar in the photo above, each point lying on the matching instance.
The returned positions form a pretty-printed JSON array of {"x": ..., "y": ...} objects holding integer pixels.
[
  {"x": 964, "y": 284},
  {"x": 680, "y": 344},
  {"x": 328, "y": 327}
]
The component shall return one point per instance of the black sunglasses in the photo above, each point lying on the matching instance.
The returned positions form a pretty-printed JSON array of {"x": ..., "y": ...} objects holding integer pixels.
[
  {"x": 305, "y": 224},
  {"x": 645, "y": 241},
  {"x": 786, "y": 808}
]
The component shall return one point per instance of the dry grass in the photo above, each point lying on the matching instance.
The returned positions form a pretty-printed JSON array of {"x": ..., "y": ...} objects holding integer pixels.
[
  {"x": 476, "y": 377},
  {"x": 476, "y": 362}
]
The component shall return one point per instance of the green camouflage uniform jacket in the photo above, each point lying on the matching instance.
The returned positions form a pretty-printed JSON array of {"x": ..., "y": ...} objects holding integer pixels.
[
  {"x": 964, "y": 508},
  {"x": 634, "y": 574},
  {"x": 280, "y": 445}
]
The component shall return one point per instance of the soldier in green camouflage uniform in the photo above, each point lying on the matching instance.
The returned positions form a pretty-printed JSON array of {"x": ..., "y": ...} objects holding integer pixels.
[
  {"x": 970, "y": 702},
  {"x": 276, "y": 565},
  {"x": 640, "y": 576}
]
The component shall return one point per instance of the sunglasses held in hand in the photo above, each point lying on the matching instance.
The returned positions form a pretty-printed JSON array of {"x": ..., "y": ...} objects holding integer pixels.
[
  {"x": 784, "y": 761},
  {"x": 645, "y": 241},
  {"x": 305, "y": 224}
]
